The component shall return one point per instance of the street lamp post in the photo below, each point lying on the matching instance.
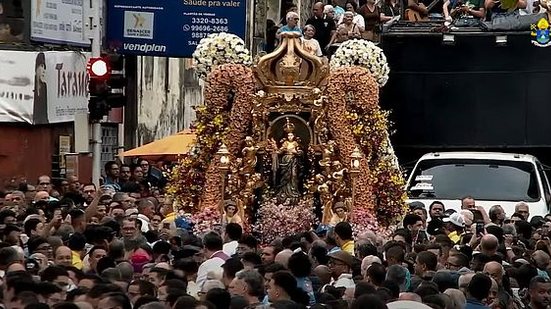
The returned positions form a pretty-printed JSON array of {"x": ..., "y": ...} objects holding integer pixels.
[{"x": 355, "y": 158}]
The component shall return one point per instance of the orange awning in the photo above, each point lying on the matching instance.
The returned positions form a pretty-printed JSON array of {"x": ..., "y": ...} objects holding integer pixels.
[{"x": 168, "y": 147}]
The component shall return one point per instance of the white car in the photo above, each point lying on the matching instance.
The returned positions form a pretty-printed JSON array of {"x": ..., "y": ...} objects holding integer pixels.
[{"x": 491, "y": 178}]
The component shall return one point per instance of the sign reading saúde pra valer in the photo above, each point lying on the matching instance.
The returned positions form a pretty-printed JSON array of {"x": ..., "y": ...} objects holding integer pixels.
[{"x": 170, "y": 28}]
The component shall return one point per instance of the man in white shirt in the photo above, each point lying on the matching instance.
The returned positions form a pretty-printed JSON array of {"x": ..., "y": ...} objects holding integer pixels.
[
  {"x": 232, "y": 235},
  {"x": 215, "y": 258}
]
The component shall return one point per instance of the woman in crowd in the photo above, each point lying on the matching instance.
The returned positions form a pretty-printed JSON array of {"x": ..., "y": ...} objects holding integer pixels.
[
  {"x": 346, "y": 30},
  {"x": 389, "y": 10},
  {"x": 372, "y": 18},
  {"x": 357, "y": 19},
  {"x": 310, "y": 44}
]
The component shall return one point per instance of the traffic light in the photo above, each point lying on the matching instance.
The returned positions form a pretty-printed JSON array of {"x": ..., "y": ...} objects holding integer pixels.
[
  {"x": 116, "y": 81},
  {"x": 106, "y": 85},
  {"x": 98, "y": 70}
]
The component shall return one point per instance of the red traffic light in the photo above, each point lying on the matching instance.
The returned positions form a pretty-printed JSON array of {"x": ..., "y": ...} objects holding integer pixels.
[{"x": 99, "y": 68}]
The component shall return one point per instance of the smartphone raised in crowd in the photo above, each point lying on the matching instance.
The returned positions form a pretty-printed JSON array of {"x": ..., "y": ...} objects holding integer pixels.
[
  {"x": 479, "y": 227},
  {"x": 477, "y": 215}
]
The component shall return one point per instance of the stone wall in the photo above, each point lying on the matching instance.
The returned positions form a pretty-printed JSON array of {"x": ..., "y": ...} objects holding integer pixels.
[{"x": 167, "y": 93}]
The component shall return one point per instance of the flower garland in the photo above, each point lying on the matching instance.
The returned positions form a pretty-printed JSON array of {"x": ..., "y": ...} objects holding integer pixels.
[
  {"x": 370, "y": 127},
  {"x": 218, "y": 49},
  {"x": 194, "y": 182},
  {"x": 342, "y": 82},
  {"x": 366, "y": 126},
  {"x": 281, "y": 220},
  {"x": 365, "y": 54},
  {"x": 362, "y": 220}
]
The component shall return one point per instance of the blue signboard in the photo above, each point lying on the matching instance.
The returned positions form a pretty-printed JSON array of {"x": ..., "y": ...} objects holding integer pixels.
[{"x": 170, "y": 28}]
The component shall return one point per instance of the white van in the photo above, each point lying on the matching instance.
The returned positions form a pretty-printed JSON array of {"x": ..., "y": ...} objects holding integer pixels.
[{"x": 491, "y": 178}]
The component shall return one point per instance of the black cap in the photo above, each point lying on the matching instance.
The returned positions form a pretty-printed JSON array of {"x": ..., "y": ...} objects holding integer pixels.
[
  {"x": 186, "y": 251},
  {"x": 76, "y": 242}
]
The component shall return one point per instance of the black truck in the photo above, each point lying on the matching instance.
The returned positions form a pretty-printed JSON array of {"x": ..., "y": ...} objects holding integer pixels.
[{"x": 467, "y": 90}]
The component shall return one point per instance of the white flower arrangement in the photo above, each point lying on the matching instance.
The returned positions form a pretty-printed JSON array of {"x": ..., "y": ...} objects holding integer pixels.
[
  {"x": 217, "y": 49},
  {"x": 365, "y": 54}
]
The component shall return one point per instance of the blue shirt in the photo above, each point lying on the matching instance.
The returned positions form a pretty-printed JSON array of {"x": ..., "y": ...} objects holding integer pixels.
[
  {"x": 306, "y": 285},
  {"x": 475, "y": 304},
  {"x": 543, "y": 274},
  {"x": 286, "y": 28},
  {"x": 108, "y": 182}
]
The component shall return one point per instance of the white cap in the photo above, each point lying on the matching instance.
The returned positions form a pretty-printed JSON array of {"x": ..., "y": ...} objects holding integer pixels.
[{"x": 456, "y": 219}]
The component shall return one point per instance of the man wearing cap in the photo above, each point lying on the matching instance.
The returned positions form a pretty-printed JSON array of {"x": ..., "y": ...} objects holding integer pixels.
[
  {"x": 454, "y": 227},
  {"x": 340, "y": 264}
]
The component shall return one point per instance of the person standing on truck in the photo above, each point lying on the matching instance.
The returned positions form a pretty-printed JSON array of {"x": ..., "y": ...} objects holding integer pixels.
[
  {"x": 467, "y": 202},
  {"x": 523, "y": 209},
  {"x": 436, "y": 209},
  {"x": 497, "y": 215}
]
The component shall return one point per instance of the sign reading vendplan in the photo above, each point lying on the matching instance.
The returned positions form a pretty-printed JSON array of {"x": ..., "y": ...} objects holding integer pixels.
[
  {"x": 58, "y": 21},
  {"x": 170, "y": 28}
]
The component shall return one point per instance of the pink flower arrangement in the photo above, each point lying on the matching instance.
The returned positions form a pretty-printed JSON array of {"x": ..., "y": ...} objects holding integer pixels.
[
  {"x": 205, "y": 220},
  {"x": 282, "y": 220},
  {"x": 362, "y": 220}
]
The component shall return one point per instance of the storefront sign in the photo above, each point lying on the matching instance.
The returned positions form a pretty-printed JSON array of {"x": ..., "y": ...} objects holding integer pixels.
[{"x": 171, "y": 27}]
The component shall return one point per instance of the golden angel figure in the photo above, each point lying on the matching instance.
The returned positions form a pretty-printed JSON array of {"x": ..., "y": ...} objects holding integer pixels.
[
  {"x": 327, "y": 155},
  {"x": 249, "y": 156},
  {"x": 335, "y": 214},
  {"x": 232, "y": 212}
]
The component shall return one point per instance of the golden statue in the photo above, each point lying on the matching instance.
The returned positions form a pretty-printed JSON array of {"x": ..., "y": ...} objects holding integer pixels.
[
  {"x": 326, "y": 198},
  {"x": 254, "y": 182},
  {"x": 233, "y": 212},
  {"x": 249, "y": 156},
  {"x": 336, "y": 214},
  {"x": 327, "y": 155},
  {"x": 288, "y": 167}
]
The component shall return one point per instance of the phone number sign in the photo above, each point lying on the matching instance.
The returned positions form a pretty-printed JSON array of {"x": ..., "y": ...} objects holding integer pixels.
[{"x": 170, "y": 28}]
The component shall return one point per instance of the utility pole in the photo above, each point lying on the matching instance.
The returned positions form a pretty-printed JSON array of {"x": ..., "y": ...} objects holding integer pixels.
[{"x": 96, "y": 10}]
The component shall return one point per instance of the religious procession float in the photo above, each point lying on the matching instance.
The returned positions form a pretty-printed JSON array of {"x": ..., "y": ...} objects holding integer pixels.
[{"x": 290, "y": 141}]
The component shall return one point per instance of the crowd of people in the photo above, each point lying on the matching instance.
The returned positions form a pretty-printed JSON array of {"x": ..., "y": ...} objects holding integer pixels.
[
  {"x": 331, "y": 25},
  {"x": 336, "y": 22},
  {"x": 77, "y": 246}
]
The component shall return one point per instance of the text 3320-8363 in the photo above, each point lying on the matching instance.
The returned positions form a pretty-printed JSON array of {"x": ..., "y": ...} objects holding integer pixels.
[{"x": 205, "y": 20}]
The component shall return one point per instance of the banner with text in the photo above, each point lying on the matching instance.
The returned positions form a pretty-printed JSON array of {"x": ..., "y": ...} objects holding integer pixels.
[
  {"x": 42, "y": 87},
  {"x": 171, "y": 28},
  {"x": 58, "y": 21}
]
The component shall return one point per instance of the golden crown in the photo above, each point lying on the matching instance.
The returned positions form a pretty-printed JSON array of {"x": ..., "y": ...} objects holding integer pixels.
[
  {"x": 290, "y": 66},
  {"x": 289, "y": 126}
]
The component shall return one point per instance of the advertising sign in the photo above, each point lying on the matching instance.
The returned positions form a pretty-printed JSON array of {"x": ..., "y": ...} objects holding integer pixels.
[
  {"x": 170, "y": 28},
  {"x": 42, "y": 87},
  {"x": 58, "y": 21},
  {"x": 16, "y": 86}
]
